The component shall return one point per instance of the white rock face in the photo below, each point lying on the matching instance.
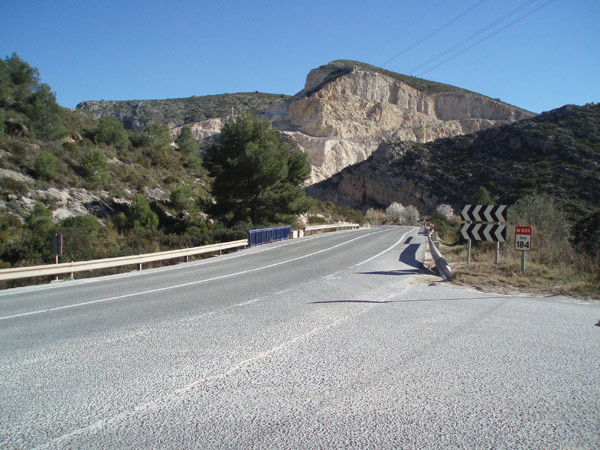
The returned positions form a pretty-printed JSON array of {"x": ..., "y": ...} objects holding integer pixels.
[
  {"x": 204, "y": 129},
  {"x": 344, "y": 121},
  {"x": 74, "y": 202}
]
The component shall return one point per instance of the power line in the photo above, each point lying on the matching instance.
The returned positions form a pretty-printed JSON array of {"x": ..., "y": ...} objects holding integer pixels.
[
  {"x": 403, "y": 30},
  {"x": 487, "y": 37},
  {"x": 474, "y": 35},
  {"x": 445, "y": 25}
]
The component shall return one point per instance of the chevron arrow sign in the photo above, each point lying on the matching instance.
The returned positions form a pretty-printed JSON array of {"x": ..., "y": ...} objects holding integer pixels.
[
  {"x": 484, "y": 232},
  {"x": 485, "y": 213}
]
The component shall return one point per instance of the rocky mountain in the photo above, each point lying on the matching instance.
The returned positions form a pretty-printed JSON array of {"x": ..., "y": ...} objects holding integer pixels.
[
  {"x": 556, "y": 153},
  {"x": 345, "y": 111}
]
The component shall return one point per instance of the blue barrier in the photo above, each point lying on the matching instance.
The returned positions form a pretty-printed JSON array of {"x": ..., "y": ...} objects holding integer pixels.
[{"x": 266, "y": 235}]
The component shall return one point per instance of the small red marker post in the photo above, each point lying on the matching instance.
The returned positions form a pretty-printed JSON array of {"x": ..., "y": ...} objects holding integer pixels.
[{"x": 523, "y": 242}]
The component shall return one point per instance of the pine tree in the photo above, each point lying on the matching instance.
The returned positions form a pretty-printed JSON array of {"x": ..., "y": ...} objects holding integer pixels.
[
  {"x": 186, "y": 143},
  {"x": 257, "y": 175}
]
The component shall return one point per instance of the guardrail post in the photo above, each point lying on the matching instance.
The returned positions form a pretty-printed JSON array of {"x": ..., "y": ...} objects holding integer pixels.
[
  {"x": 139, "y": 267},
  {"x": 469, "y": 252}
]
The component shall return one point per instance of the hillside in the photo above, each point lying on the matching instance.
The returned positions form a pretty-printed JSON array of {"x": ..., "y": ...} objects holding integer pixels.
[
  {"x": 344, "y": 112},
  {"x": 556, "y": 153},
  {"x": 175, "y": 112},
  {"x": 347, "y": 109}
]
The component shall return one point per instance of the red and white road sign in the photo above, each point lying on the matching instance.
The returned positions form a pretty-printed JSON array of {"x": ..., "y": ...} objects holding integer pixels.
[{"x": 523, "y": 239}]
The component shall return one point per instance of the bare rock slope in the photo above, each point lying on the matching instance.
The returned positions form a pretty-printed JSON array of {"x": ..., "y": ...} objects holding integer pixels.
[
  {"x": 556, "y": 153},
  {"x": 347, "y": 109}
]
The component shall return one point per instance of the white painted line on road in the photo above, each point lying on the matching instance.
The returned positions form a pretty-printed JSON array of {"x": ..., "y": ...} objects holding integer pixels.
[
  {"x": 383, "y": 252},
  {"x": 177, "y": 286},
  {"x": 133, "y": 273}
]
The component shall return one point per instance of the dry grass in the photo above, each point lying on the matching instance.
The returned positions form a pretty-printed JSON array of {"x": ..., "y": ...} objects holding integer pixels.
[{"x": 580, "y": 279}]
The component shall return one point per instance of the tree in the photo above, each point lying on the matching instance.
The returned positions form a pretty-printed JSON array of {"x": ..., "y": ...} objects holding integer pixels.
[
  {"x": 445, "y": 210},
  {"x": 21, "y": 90},
  {"x": 140, "y": 217},
  {"x": 45, "y": 165},
  {"x": 394, "y": 211},
  {"x": 257, "y": 175},
  {"x": 45, "y": 114},
  {"x": 157, "y": 143},
  {"x": 551, "y": 229},
  {"x": 186, "y": 143},
  {"x": 400, "y": 214},
  {"x": 411, "y": 214},
  {"x": 482, "y": 197},
  {"x": 111, "y": 132},
  {"x": 18, "y": 80},
  {"x": 95, "y": 167}
]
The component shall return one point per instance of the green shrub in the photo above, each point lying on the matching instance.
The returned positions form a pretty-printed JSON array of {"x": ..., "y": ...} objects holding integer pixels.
[
  {"x": 12, "y": 186},
  {"x": 140, "y": 216},
  {"x": 80, "y": 238},
  {"x": 183, "y": 197},
  {"x": 95, "y": 167},
  {"x": 111, "y": 132},
  {"x": 448, "y": 230},
  {"x": 551, "y": 230},
  {"x": 45, "y": 165}
]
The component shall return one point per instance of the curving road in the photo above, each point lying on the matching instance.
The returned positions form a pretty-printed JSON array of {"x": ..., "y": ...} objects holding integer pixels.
[{"x": 328, "y": 341}]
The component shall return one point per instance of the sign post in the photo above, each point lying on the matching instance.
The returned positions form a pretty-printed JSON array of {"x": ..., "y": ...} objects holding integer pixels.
[
  {"x": 57, "y": 247},
  {"x": 523, "y": 242}
]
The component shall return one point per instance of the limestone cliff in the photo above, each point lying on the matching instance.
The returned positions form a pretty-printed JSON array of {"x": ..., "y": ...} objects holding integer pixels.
[
  {"x": 555, "y": 153},
  {"x": 347, "y": 109}
]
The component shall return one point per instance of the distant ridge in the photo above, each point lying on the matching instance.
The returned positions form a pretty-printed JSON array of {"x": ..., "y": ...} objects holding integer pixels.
[{"x": 179, "y": 111}]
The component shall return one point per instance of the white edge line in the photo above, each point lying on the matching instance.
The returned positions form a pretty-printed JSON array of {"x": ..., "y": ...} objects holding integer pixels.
[
  {"x": 192, "y": 283},
  {"x": 383, "y": 252}
]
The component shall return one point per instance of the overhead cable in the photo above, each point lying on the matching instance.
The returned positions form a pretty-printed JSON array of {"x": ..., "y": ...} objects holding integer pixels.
[
  {"x": 474, "y": 35},
  {"x": 403, "y": 30},
  {"x": 486, "y": 37},
  {"x": 433, "y": 33}
]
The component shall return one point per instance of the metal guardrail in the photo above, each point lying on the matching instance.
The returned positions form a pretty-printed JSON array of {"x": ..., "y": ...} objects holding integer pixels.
[
  {"x": 96, "y": 264},
  {"x": 441, "y": 264},
  {"x": 268, "y": 235},
  {"x": 15, "y": 273},
  {"x": 317, "y": 229}
]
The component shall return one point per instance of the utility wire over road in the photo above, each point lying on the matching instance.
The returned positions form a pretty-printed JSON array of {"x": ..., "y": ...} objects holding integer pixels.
[
  {"x": 434, "y": 32},
  {"x": 453, "y": 56},
  {"x": 474, "y": 35}
]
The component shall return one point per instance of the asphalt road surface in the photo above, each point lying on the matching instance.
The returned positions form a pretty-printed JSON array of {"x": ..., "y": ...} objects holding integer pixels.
[{"x": 330, "y": 341}]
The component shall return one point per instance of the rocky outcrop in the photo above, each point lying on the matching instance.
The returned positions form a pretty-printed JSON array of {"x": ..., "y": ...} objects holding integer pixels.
[
  {"x": 176, "y": 112},
  {"x": 556, "y": 153},
  {"x": 204, "y": 129},
  {"x": 347, "y": 109},
  {"x": 379, "y": 181}
]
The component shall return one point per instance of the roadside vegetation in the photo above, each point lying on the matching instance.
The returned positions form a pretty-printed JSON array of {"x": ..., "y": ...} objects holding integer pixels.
[
  {"x": 560, "y": 263},
  {"x": 143, "y": 190}
]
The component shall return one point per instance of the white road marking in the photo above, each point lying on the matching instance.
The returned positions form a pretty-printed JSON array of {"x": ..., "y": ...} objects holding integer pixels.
[
  {"x": 383, "y": 252},
  {"x": 177, "y": 286}
]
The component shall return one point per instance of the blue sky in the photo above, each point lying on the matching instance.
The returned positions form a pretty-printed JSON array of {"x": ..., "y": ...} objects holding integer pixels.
[{"x": 536, "y": 54}]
